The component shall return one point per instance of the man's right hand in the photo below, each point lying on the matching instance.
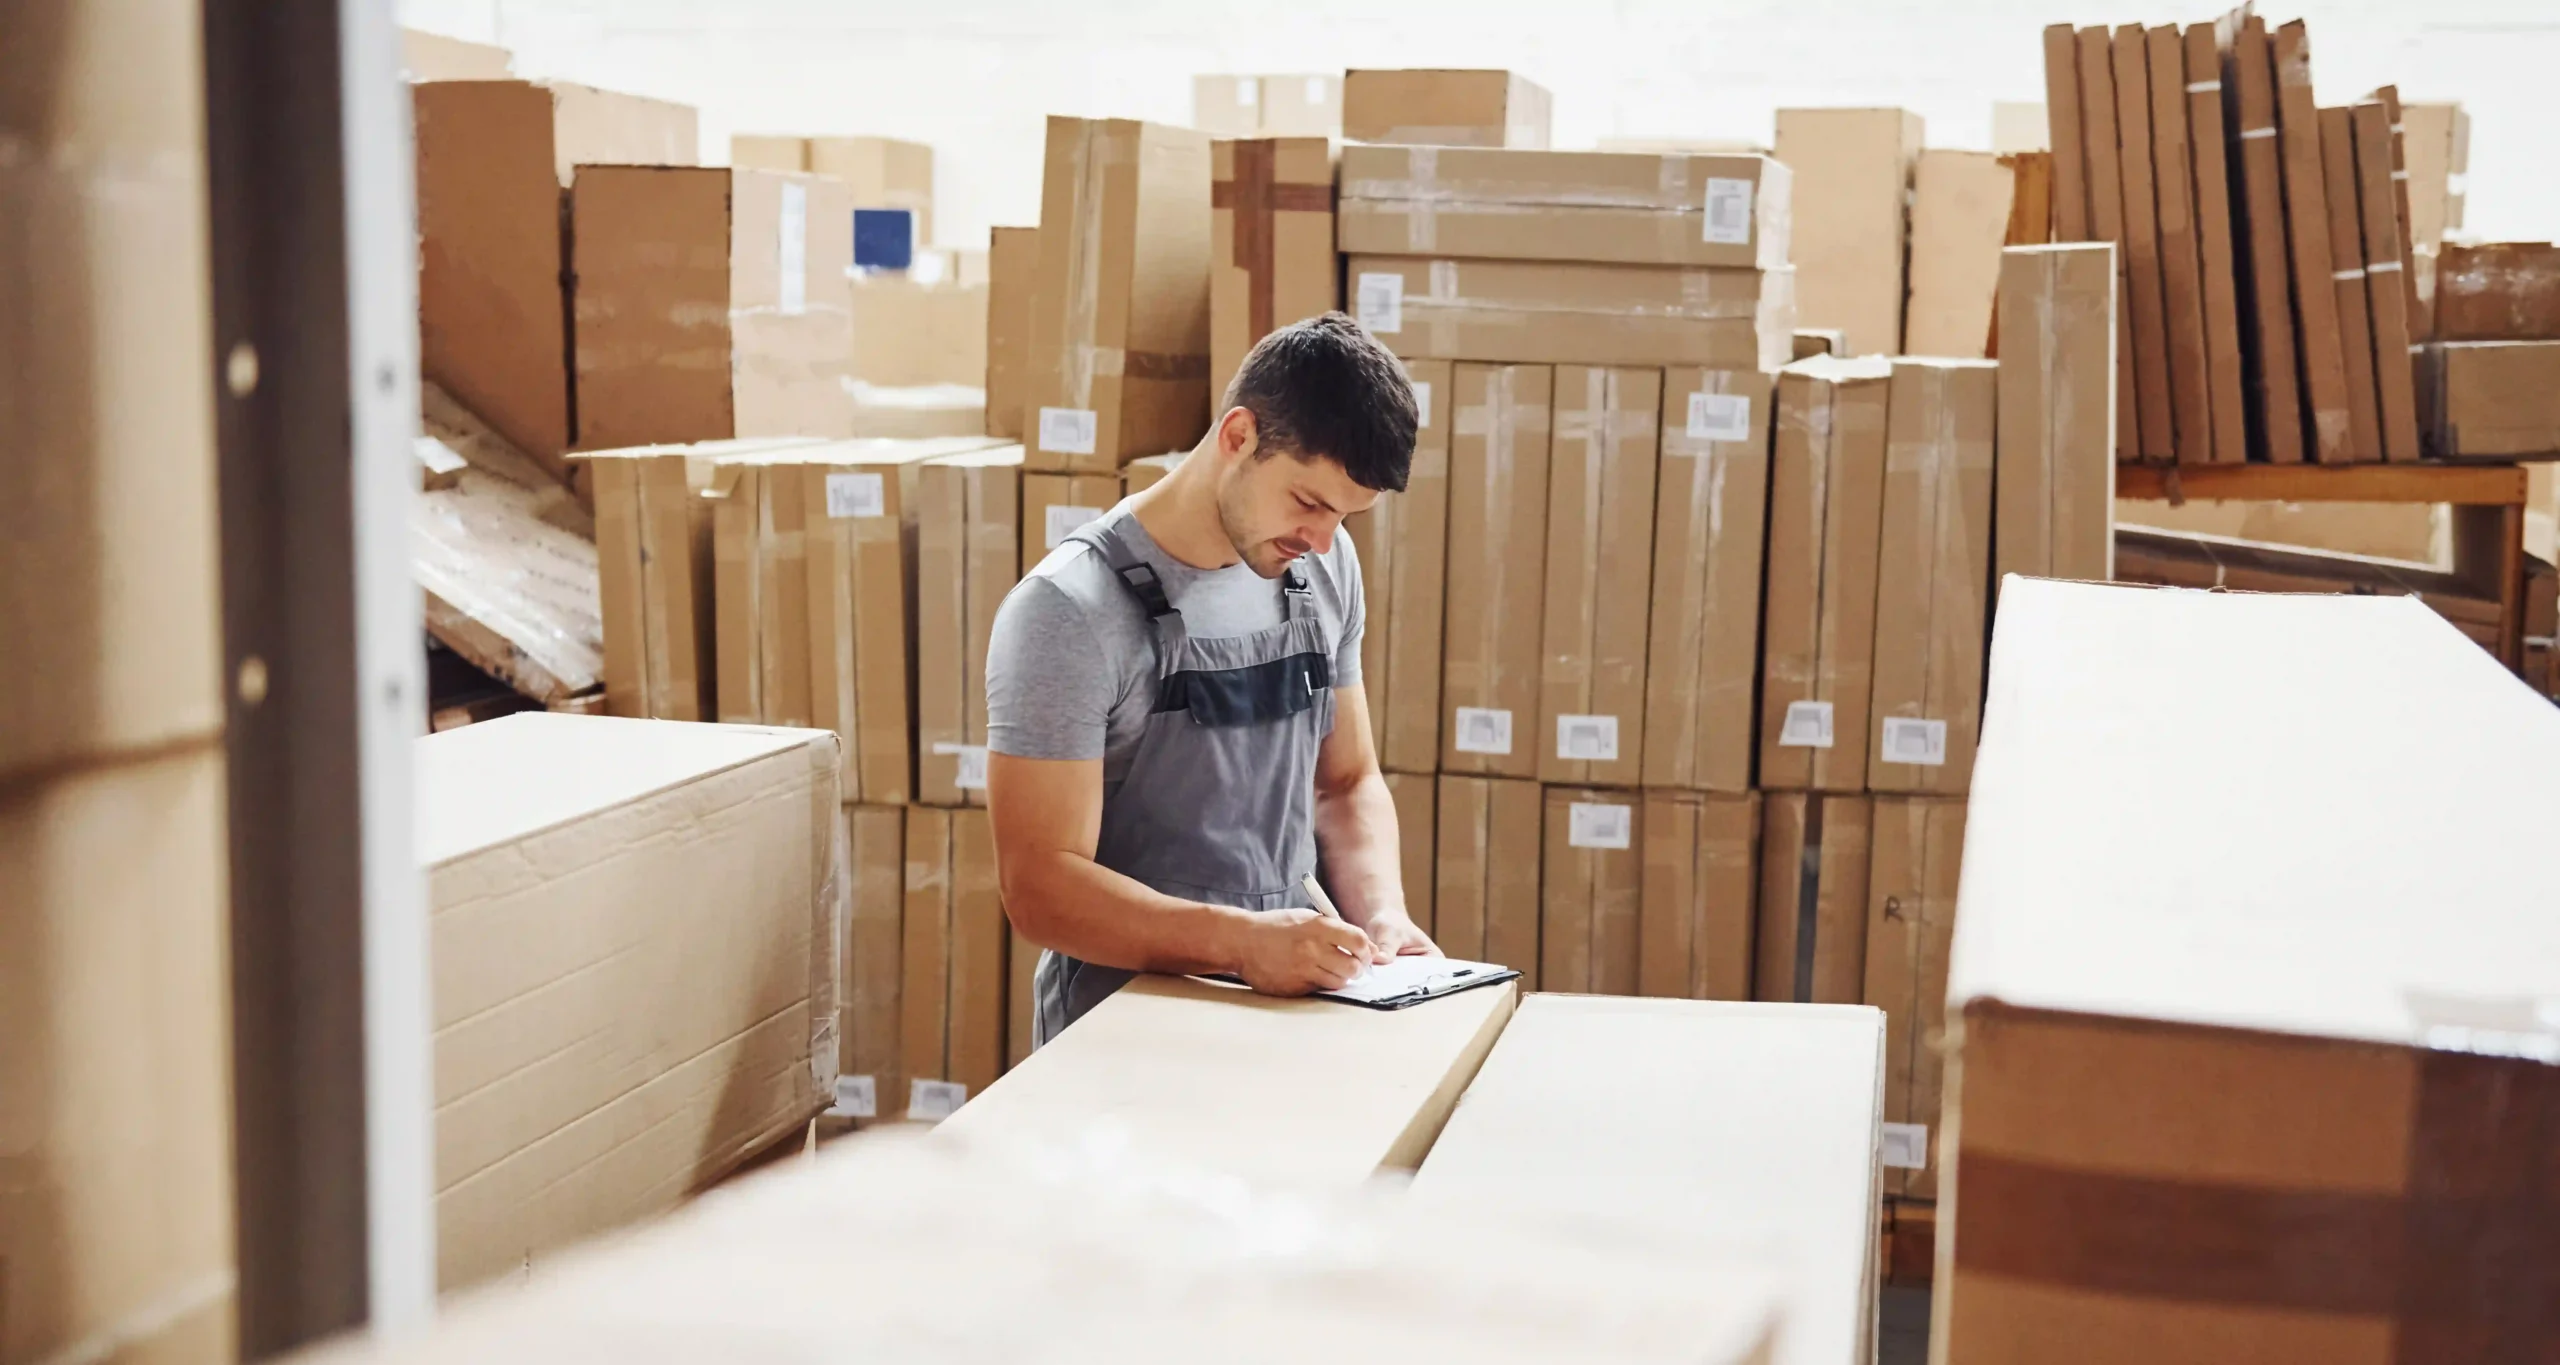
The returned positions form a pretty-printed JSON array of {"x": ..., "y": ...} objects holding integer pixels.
[{"x": 1296, "y": 951}]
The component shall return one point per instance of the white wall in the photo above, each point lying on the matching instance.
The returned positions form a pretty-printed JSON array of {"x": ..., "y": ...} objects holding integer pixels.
[{"x": 975, "y": 77}]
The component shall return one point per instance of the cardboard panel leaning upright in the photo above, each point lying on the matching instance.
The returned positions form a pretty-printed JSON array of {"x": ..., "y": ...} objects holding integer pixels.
[
  {"x": 1931, "y": 607},
  {"x": 1711, "y": 520},
  {"x": 1826, "y": 502},
  {"x": 1498, "y": 452},
  {"x": 1600, "y": 504}
]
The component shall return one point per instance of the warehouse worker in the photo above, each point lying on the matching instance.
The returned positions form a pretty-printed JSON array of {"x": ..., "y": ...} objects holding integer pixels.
[{"x": 1175, "y": 727}]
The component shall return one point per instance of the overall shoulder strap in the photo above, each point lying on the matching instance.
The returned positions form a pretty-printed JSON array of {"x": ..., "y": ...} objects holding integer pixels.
[{"x": 1135, "y": 574}]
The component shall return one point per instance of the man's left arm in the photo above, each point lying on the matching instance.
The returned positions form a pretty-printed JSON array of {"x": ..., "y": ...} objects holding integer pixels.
[{"x": 1356, "y": 835}]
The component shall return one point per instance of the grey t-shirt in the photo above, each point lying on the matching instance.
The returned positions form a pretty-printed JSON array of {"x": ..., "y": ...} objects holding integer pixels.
[{"x": 1071, "y": 667}]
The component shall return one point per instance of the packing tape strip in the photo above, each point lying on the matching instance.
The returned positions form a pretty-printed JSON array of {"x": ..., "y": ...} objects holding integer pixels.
[
  {"x": 2352, "y": 273},
  {"x": 2382, "y": 267},
  {"x": 2399, "y": 175},
  {"x": 2247, "y": 133},
  {"x": 2203, "y": 87}
]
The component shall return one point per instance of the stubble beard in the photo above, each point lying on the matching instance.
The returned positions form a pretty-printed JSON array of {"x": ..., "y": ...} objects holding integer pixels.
[{"x": 1261, "y": 556}]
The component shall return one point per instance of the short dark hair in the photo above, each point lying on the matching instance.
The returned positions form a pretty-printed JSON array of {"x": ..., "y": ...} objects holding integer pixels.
[{"x": 1325, "y": 387}]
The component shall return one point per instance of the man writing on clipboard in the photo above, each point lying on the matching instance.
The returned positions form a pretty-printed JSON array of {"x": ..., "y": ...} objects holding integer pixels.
[{"x": 1175, "y": 725}]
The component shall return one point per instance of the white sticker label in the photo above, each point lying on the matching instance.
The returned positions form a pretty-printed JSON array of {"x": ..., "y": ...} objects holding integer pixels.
[
  {"x": 1068, "y": 431},
  {"x": 1594, "y": 738},
  {"x": 1422, "y": 404},
  {"x": 1249, "y": 92},
  {"x": 1483, "y": 730},
  {"x": 856, "y": 1098},
  {"x": 795, "y": 247},
  {"x": 1915, "y": 741},
  {"x": 1379, "y": 302},
  {"x": 1063, "y": 520},
  {"x": 1719, "y": 416},
  {"x": 1592, "y": 824},
  {"x": 934, "y": 1101},
  {"x": 857, "y": 495},
  {"x": 1906, "y": 1146},
  {"x": 1728, "y": 216},
  {"x": 1808, "y": 725},
  {"x": 973, "y": 765}
]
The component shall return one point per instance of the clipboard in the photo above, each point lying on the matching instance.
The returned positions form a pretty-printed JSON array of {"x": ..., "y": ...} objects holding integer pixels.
[{"x": 1409, "y": 981}]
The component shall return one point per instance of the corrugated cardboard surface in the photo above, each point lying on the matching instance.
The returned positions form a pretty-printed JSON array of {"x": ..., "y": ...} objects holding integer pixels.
[
  {"x": 1575, "y": 312},
  {"x": 1147, "y": 471},
  {"x": 907, "y": 331},
  {"x": 2094, "y": 78},
  {"x": 1013, "y": 270},
  {"x": 2345, "y": 226},
  {"x": 788, "y": 367},
  {"x": 907, "y": 412},
  {"x": 1445, "y": 108},
  {"x": 2498, "y": 398},
  {"x": 1811, "y": 939},
  {"x": 1417, "y": 821},
  {"x": 1267, "y": 106},
  {"x": 1729, "y": 1125},
  {"x": 428, "y": 56},
  {"x": 1636, "y": 208},
  {"x": 1271, "y": 236},
  {"x": 1917, "y": 847},
  {"x": 2217, "y": 242},
  {"x": 1711, "y": 513},
  {"x": 2054, "y": 457},
  {"x": 880, "y": 173},
  {"x": 1959, "y": 219},
  {"x": 1498, "y": 455},
  {"x": 609, "y": 128},
  {"x": 1589, "y": 887},
  {"x": 1090, "y": 495},
  {"x": 1701, "y": 855},
  {"x": 768, "y": 152},
  {"x": 1213, "y": 1077},
  {"x": 2174, "y": 176},
  {"x": 1826, "y": 503},
  {"x": 1931, "y": 608},
  {"x": 925, "y": 956},
  {"x": 2268, "y": 345},
  {"x": 2306, "y": 198},
  {"x": 1405, "y": 692},
  {"x": 2146, "y": 288},
  {"x": 2383, "y": 201},
  {"x": 653, "y": 554},
  {"x": 1852, "y": 173},
  {"x": 979, "y": 939},
  {"x": 968, "y": 529},
  {"x": 873, "y": 963},
  {"x": 2498, "y": 291},
  {"x": 1486, "y": 881},
  {"x": 577, "y": 865},
  {"x": 1120, "y": 316},
  {"x": 1605, "y": 456},
  {"x": 863, "y": 582}
]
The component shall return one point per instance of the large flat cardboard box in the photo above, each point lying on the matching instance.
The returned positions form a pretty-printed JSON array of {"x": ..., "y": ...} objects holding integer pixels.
[
  {"x": 1600, "y": 509},
  {"x": 1120, "y": 316},
  {"x": 1675, "y": 208},
  {"x": 2127, "y": 55},
  {"x": 634, "y": 934},
  {"x": 1810, "y": 943},
  {"x": 428, "y": 56},
  {"x": 1404, "y": 572},
  {"x": 1959, "y": 221},
  {"x": 495, "y": 159},
  {"x": 1210, "y": 1076},
  {"x": 1417, "y": 802},
  {"x": 952, "y": 980},
  {"x": 1013, "y": 270},
  {"x": 1932, "y": 607},
  {"x": 1852, "y": 180},
  {"x": 1271, "y": 236},
  {"x": 1445, "y": 108},
  {"x": 878, "y": 172},
  {"x": 2497, "y": 398},
  {"x": 1575, "y": 312},
  {"x": 706, "y": 306},
  {"x": 1589, "y": 888},
  {"x": 1826, "y": 507},
  {"x": 1701, "y": 855},
  {"x": 2498, "y": 291},
  {"x": 1489, "y": 675},
  {"x": 909, "y": 330},
  {"x": 2177, "y": 170},
  {"x": 1485, "y": 885},
  {"x": 653, "y": 580},
  {"x": 1695, "y": 1123},
  {"x": 1267, "y": 106},
  {"x": 1917, "y": 846},
  {"x": 968, "y": 514},
  {"x": 2345, "y": 226},
  {"x": 2055, "y": 453},
  {"x": 1054, "y": 505},
  {"x": 2219, "y": 240},
  {"x": 2297, "y": 1016},
  {"x": 871, "y": 970},
  {"x": 1711, "y": 516},
  {"x": 2306, "y": 195}
]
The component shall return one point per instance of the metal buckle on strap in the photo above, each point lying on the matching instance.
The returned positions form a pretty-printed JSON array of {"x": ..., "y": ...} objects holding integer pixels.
[
  {"x": 1150, "y": 589},
  {"x": 1292, "y": 579}
]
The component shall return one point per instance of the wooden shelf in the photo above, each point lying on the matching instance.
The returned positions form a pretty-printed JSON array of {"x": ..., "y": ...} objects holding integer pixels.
[{"x": 2463, "y": 485}]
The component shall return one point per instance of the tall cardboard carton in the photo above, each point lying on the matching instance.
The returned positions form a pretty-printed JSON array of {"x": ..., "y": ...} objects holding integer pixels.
[
  {"x": 1810, "y": 943},
  {"x": 873, "y": 965},
  {"x": 1931, "y": 608},
  {"x": 1711, "y": 513},
  {"x": 1013, "y": 270},
  {"x": 1701, "y": 854},
  {"x": 1600, "y": 505},
  {"x": 2054, "y": 457},
  {"x": 2306, "y": 195},
  {"x": 2218, "y": 242},
  {"x": 1571, "y": 312},
  {"x": 1445, "y": 108},
  {"x": 1120, "y": 317},
  {"x": 2345, "y": 226},
  {"x": 967, "y": 548},
  {"x": 925, "y": 963},
  {"x": 1959, "y": 220},
  {"x": 1851, "y": 189},
  {"x": 1485, "y": 887},
  {"x": 1826, "y": 504},
  {"x": 1054, "y": 505},
  {"x": 1408, "y": 578},
  {"x": 2127, "y": 54},
  {"x": 2177, "y": 166},
  {"x": 2269, "y": 347},
  {"x": 880, "y": 173},
  {"x": 2383, "y": 197},
  {"x": 1918, "y": 844},
  {"x": 1271, "y": 233},
  {"x": 1416, "y": 796},
  {"x": 1674, "y": 208},
  {"x": 654, "y": 584},
  {"x": 1589, "y": 887},
  {"x": 1498, "y": 455}
]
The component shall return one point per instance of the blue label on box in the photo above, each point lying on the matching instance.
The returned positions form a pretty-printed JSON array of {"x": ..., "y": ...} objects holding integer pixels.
[{"x": 884, "y": 239}]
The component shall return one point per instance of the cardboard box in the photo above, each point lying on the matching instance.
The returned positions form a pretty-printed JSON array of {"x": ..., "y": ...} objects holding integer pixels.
[
  {"x": 1683, "y": 1123},
  {"x": 873, "y": 964},
  {"x": 1485, "y": 884},
  {"x": 1604, "y": 458},
  {"x": 1013, "y": 269},
  {"x": 654, "y": 581},
  {"x": 2381, "y": 201},
  {"x": 2175, "y": 190},
  {"x": 428, "y": 56},
  {"x": 910, "y": 330},
  {"x": 2146, "y": 272},
  {"x": 2093, "y": 62},
  {"x": 1711, "y": 516},
  {"x": 1959, "y": 219},
  {"x": 1852, "y": 183},
  {"x": 2141, "y": 1028},
  {"x": 1575, "y": 313},
  {"x": 953, "y": 978},
  {"x": 1826, "y": 504},
  {"x": 1407, "y": 577},
  {"x": 748, "y": 336},
  {"x": 2498, "y": 291},
  {"x": 1810, "y": 942},
  {"x": 2270, "y": 350},
  {"x": 1271, "y": 232},
  {"x": 1591, "y": 882},
  {"x": 1917, "y": 846},
  {"x": 1416, "y": 797},
  {"x": 1228, "y": 1073},
  {"x": 1445, "y": 108},
  {"x": 1813, "y": 341},
  {"x": 2497, "y": 398},
  {"x": 1932, "y": 612},
  {"x": 2318, "y": 340},
  {"x": 1054, "y": 505},
  {"x": 878, "y": 172},
  {"x": 1267, "y": 106},
  {"x": 2063, "y": 133},
  {"x": 1674, "y": 208},
  {"x": 916, "y": 411},
  {"x": 1701, "y": 855},
  {"x": 2054, "y": 457},
  {"x": 2410, "y": 532},
  {"x": 1489, "y": 674},
  {"x": 2345, "y": 225},
  {"x": 2217, "y": 247},
  {"x": 1120, "y": 316},
  {"x": 494, "y": 161},
  {"x": 576, "y": 866},
  {"x": 968, "y": 527},
  {"x": 1147, "y": 471}
]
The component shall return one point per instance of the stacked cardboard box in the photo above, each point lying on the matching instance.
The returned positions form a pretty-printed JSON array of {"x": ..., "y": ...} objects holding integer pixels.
[
  {"x": 1852, "y": 197},
  {"x": 878, "y": 172},
  {"x": 1271, "y": 232},
  {"x": 1445, "y": 108},
  {"x": 1267, "y": 106},
  {"x": 1013, "y": 270}
]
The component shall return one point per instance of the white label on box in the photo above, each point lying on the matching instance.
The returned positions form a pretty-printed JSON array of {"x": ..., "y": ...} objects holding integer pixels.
[
  {"x": 1379, "y": 302},
  {"x": 934, "y": 1101},
  {"x": 1728, "y": 216},
  {"x": 857, "y": 495},
  {"x": 1593, "y": 738},
  {"x": 795, "y": 247},
  {"x": 1594, "y": 824},
  {"x": 973, "y": 765},
  {"x": 1915, "y": 741},
  {"x": 1248, "y": 92},
  {"x": 856, "y": 1098},
  {"x": 1063, "y": 520},
  {"x": 1422, "y": 404},
  {"x": 1906, "y": 1146},
  {"x": 1719, "y": 416},
  {"x": 1483, "y": 730},
  {"x": 1808, "y": 725},
  {"x": 1068, "y": 431}
]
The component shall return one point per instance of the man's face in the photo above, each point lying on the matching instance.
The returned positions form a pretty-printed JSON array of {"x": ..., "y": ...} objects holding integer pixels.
[{"x": 1279, "y": 507}]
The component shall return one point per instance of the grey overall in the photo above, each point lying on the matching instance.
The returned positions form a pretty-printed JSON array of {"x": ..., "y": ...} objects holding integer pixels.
[{"x": 1218, "y": 802}]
